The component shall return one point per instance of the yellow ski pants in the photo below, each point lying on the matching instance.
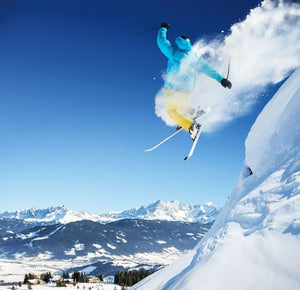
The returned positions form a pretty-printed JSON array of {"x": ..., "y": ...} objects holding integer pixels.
[{"x": 178, "y": 106}]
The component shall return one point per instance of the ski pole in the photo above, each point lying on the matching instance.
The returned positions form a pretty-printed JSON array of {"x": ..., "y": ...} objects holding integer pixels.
[
  {"x": 228, "y": 68},
  {"x": 142, "y": 32}
]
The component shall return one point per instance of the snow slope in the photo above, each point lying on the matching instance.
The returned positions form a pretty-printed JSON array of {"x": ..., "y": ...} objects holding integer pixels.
[
  {"x": 255, "y": 241},
  {"x": 80, "y": 286}
]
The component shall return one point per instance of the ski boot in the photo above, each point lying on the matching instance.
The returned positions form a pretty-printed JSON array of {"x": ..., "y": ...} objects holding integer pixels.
[
  {"x": 195, "y": 113},
  {"x": 194, "y": 129}
]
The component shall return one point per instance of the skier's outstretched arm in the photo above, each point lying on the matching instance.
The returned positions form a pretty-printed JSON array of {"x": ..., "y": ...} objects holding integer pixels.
[
  {"x": 207, "y": 69},
  {"x": 163, "y": 43}
]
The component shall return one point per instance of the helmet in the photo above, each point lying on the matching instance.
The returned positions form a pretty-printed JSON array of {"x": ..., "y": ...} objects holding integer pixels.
[
  {"x": 183, "y": 43},
  {"x": 185, "y": 37}
]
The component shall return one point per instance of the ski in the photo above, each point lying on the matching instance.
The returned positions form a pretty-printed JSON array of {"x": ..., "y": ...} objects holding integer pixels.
[
  {"x": 194, "y": 144},
  {"x": 195, "y": 115},
  {"x": 164, "y": 140}
]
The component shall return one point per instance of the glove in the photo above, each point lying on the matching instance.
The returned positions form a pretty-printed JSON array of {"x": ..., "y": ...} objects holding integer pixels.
[
  {"x": 165, "y": 25},
  {"x": 226, "y": 83}
]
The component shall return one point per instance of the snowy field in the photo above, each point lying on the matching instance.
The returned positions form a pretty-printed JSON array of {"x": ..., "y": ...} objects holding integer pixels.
[
  {"x": 80, "y": 286},
  {"x": 15, "y": 270}
]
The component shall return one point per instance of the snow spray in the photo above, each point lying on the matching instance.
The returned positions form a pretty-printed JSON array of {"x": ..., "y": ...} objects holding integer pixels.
[{"x": 264, "y": 49}]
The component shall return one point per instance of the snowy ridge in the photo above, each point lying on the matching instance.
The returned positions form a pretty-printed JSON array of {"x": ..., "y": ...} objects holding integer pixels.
[
  {"x": 160, "y": 210},
  {"x": 254, "y": 243},
  {"x": 51, "y": 215},
  {"x": 169, "y": 211}
]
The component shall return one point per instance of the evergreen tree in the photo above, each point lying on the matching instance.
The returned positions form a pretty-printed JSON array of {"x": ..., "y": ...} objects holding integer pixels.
[
  {"x": 129, "y": 278},
  {"x": 76, "y": 276},
  {"x": 46, "y": 277},
  {"x": 29, "y": 276},
  {"x": 116, "y": 278},
  {"x": 26, "y": 279},
  {"x": 60, "y": 283},
  {"x": 65, "y": 275},
  {"x": 81, "y": 277}
]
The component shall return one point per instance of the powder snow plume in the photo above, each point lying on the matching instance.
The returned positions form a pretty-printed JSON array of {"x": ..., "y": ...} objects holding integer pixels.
[{"x": 264, "y": 49}]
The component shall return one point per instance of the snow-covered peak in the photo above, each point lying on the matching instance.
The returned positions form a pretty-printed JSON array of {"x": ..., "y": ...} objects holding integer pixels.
[
  {"x": 169, "y": 211},
  {"x": 59, "y": 214},
  {"x": 34, "y": 213},
  {"x": 159, "y": 210},
  {"x": 255, "y": 241}
]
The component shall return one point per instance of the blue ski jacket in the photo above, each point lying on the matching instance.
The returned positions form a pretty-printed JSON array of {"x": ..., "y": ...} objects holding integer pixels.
[{"x": 182, "y": 79}]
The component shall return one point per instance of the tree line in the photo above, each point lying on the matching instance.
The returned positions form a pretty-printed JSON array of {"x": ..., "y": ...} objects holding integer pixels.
[
  {"x": 129, "y": 278},
  {"x": 44, "y": 277},
  {"x": 126, "y": 278},
  {"x": 78, "y": 276}
]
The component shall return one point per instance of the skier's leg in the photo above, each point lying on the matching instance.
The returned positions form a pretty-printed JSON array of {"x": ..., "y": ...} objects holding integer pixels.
[
  {"x": 178, "y": 117},
  {"x": 174, "y": 100}
]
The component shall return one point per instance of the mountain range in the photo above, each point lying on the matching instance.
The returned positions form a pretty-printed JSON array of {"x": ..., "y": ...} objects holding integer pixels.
[
  {"x": 147, "y": 236},
  {"x": 159, "y": 210}
]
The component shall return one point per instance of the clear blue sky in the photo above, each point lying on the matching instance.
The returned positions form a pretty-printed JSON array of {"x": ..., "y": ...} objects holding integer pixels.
[{"x": 77, "y": 106}]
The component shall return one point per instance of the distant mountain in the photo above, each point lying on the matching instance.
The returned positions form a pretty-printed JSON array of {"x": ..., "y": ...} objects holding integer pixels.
[
  {"x": 11, "y": 226},
  {"x": 147, "y": 236},
  {"x": 51, "y": 215},
  {"x": 168, "y": 211},
  {"x": 160, "y": 210}
]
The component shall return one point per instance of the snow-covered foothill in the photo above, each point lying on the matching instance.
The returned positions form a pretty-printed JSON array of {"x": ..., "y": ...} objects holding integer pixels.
[{"x": 255, "y": 241}]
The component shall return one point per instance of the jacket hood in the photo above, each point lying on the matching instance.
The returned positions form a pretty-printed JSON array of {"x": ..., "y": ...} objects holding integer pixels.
[{"x": 183, "y": 44}]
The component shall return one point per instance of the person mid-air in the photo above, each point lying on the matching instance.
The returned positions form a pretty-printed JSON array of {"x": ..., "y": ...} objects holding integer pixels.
[{"x": 179, "y": 83}]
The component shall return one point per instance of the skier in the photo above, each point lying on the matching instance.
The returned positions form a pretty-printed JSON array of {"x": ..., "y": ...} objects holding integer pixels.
[{"x": 179, "y": 82}]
